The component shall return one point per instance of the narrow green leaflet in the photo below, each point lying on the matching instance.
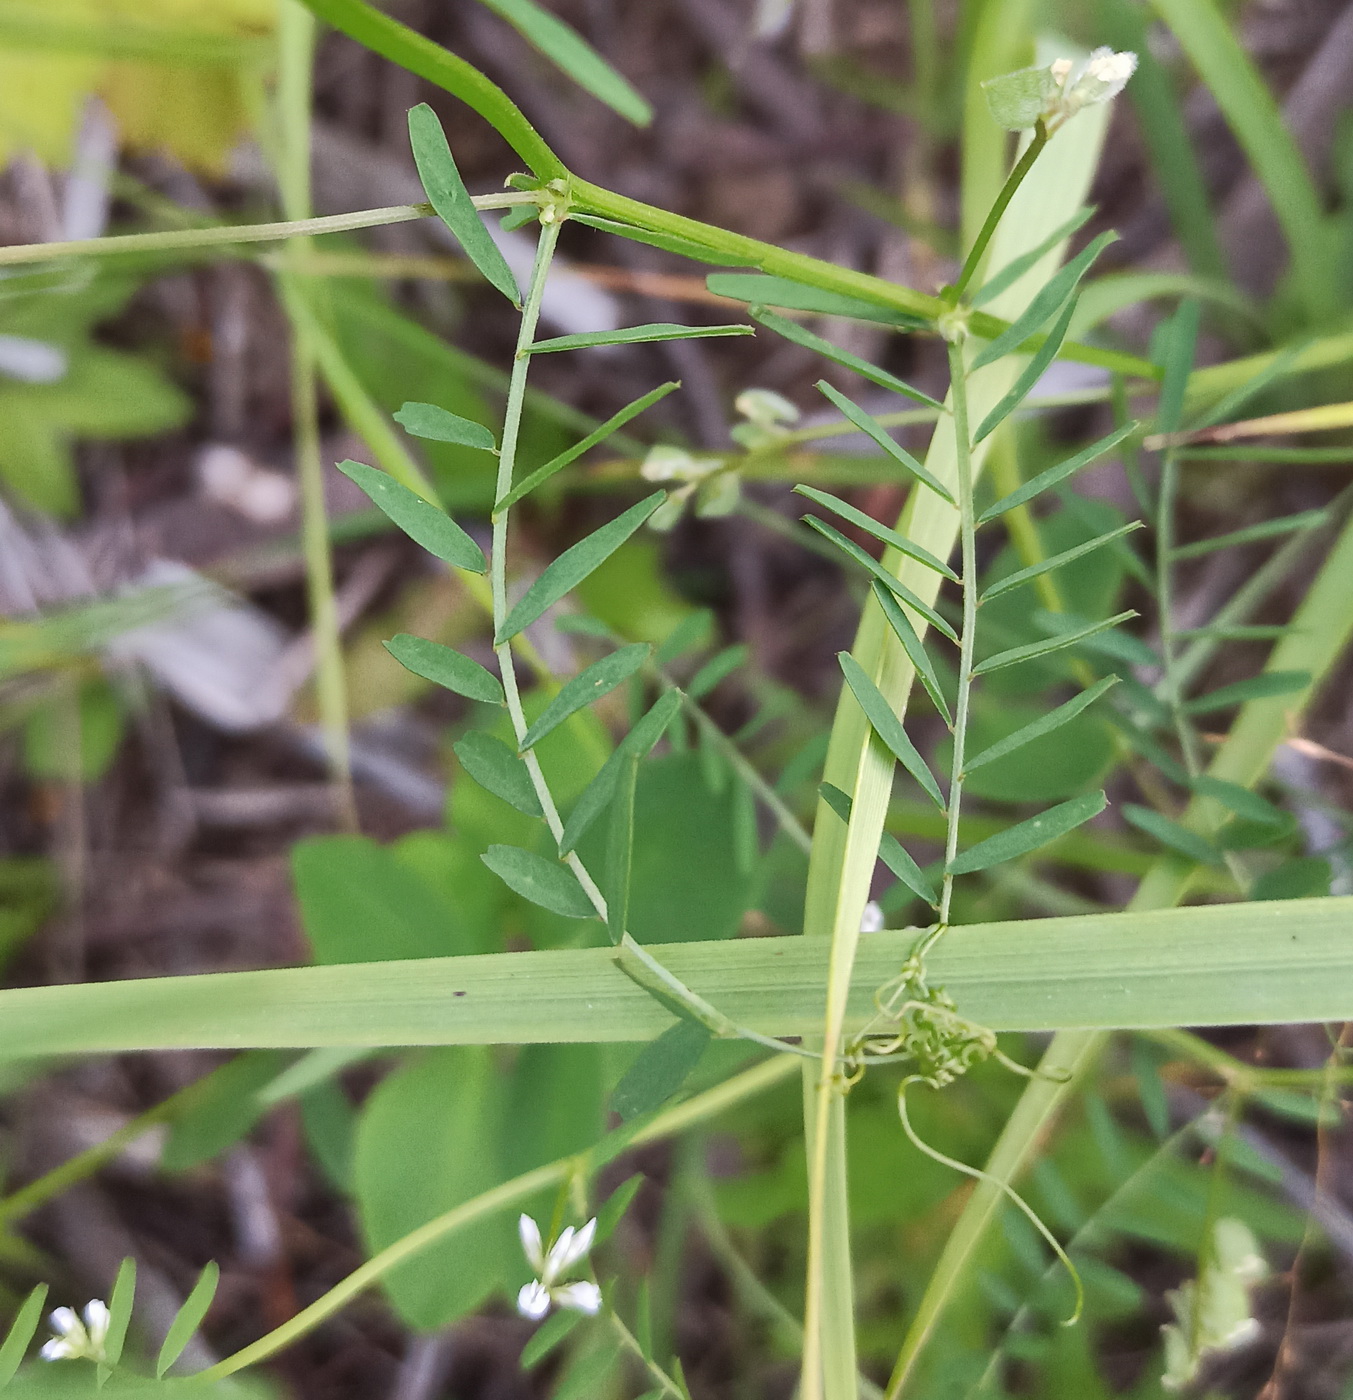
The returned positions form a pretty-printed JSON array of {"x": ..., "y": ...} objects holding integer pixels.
[
  {"x": 445, "y": 667},
  {"x": 1017, "y": 267},
  {"x": 188, "y": 1318},
  {"x": 614, "y": 1208},
  {"x": 895, "y": 857},
  {"x": 894, "y": 586},
  {"x": 691, "y": 632},
  {"x": 1045, "y": 304},
  {"x": 493, "y": 765},
  {"x": 1259, "y": 687},
  {"x": 668, "y": 242},
  {"x": 1035, "y": 486},
  {"x": 1024, "y": 837},
  {"x": 635, "y": 335},
  {"x": 574, "y": 564},
  {"x": 888, "y": 727},
  {"x": 548, "y": 1336},
  {"x": 620, "y": 849},
  {"x": 1029, "y": 376},
  {"x": 544, "y": 882},
  {"x": 1044, "y": 724},
  {"x": 1170, "y": 833},
  {"x": 569, "y": 51},
  {"x": 597, "y": 794},
  {"x": 791, "y": 330},
  {"x": 870, "y": 526},
  {"x": 597, "y": 680},
  {"x": 120, "y": 1311},
  {"x": 914, "y": 647},
  {"x": 757, "y": 289},
  {"x": 870, "y": 426},
  {"x": 1263, "y": 530},
  {"x": 423, "y": 522},
  {"x": 1175, "y": 341},
  {"x": 660, "y": 1069},
  {"x": 571, "y": 454},
  {"x": 718, "y": 668},
  {"x": 21, "y": 1333},
  {"x": 838, "y": 801},
  {"x": 1022, "y": 576},
  {"x": 1015, "y": 655},
  {"x": 447, "y": 194},
  {"x": 1240, "y": 800},
  {"x": 426, "y": 420}
]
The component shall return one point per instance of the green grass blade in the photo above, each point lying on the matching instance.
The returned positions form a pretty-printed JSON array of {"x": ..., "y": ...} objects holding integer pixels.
[
  {"x": 1056, "y": 561},
  {"x": 888, "y": 726},
  {"x": 871, "y": 427},
  {"x": 1045, "y": 724},
  {"x": 635, "y": 335},
  {"x": 1025, "y": 837},
  {"x": 870, "y": 526},
  {"x": 1035, "y": 486},
  {"x": 423, "y": 522},
  {"x": 445, "y": 667},
  {"x": 620, "y": 850},
  {"x": 426, "y": 420},
  {"x": 597, "y": 680}
]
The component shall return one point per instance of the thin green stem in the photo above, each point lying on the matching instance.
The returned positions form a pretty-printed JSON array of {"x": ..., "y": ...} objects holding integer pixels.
[
  {"x": 631, "y": 1344},
  {"x": 1015, "y": 179}
]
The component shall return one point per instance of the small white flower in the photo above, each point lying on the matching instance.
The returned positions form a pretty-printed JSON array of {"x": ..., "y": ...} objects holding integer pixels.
[
  {"x": 872, "y": 920},
  {"x": 569, "y": 1250},
  {"x": 75, "y": 1339}
]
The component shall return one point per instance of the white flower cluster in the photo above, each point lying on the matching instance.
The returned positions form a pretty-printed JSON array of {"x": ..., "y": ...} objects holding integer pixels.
[
  {"x": 1054, "y": 94},
  {"x": 536, "y": 1297},
  {"x": 75, "y": 1339}
]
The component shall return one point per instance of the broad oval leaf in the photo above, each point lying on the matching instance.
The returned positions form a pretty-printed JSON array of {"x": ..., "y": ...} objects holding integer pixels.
[
  {"x": 423, "y": 522},
  {"x": 445, "y": 667},
  {"x": 660, "y": 1069},
  {"x": 888, "y": 727},
  {"x": 870, "y": 526},
  {"x": 635, "y": 335},
  {"x": 447, "y": 194},
  {"x": 1027, "y": 836},
  {"x": 189, "y": 1317},
  {"x": 1171, "y": 833},
  {"x": 574, "y": 565},
  {"x": 545, "y": 882},
  {"x": 21, "y": 1333},
  {"x": 493, "y": 765},
  {"x": 873, "y": 429},
  {"x": 597, "y": 680},
  {"x": 426, "y": 420}
]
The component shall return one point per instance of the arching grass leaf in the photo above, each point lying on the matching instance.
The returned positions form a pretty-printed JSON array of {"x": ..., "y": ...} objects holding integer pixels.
[
  {"x": 895, "y": 857},
  {"x": 660, "y": 1069},
  {"x": 1029, "y": 375},
  {"x": 1033, "y": 650},
  {"x": 447, "y": 194},
  {"x": 1045, "y": 304},
  {"x": 870, "y": 526},
  {"x": 1045, "y": 724},
  {"x": 545, "y": 882},
  {"x": 914, "y": 647},
  {"x": 597, "y": 435},
  {"x": 188, "y": 1318},
  {"x": 893, "y": 585},
  {"x": 872, "y": 428},
  {"x": 423, "y": 522},
  {"x": 1171, "y": 834},
  {"x": 1260, "y": 687},
  {"x": 495, "y": 767},
  {"x": 757, "y": 289},
  {"x": 597, "y": 680},
  {"x": 1044, "y": 566},
  {"x": 1028, "y": 836},
  {"x": 1017, "y": 267},
  {"x": 888, "y": 726},
  {"x": 426, "y": 420},
  {"x": 1263, "y": 530},
  {"x": 574, "y": 565},
  {"x": 445, "y": 667},
  {"x": 792, "y": 331},
  {"x": 21, "y": 1332},
  {"x": 569, "y": 51},
  {"x": 1035, "y": 486},
  {"x": 635, "y": 335}
]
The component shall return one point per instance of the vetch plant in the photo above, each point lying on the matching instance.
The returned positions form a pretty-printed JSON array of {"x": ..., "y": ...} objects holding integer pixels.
[{"x": 548, "y": 1289}]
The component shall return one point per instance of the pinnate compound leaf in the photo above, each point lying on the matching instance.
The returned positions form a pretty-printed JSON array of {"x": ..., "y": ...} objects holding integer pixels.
[
  {"x": 120, "y": 1311},
  {"x": 548, "y": 1336},
  {"x": 21, "y": 1333},
  {"x": 1029, "y": 375},
  {"x": 888, "y": 726},
  {"x": 426, "y": 420},
  {"x": 1035, "y": 486},
  {"x": 570, "y": 52},
  {"x": 1261, "y": 687},
  {"x": 873, "y": 429},
  {"x": 1044, "y": 566},
  {"x": 445, "y": 667},
  {"x": 188, "y": 1318},
  {"x": 894, "y": 855},
  {"x": 574, "y": 565},
  {"x": 914, "y": 647},
  {"x": 1033, "y": 650},
  {"x": 597, "y": 680},
  {"x": 1045, "y": 724},
  {"x": 545, "y": 882},
  {"x": 882, "y": 532},
  {"x": 635, "y": 335},
  {"x": 447, "y": 194},
  {"x": 423, "y": 522},
  {"x": 660, "y": 1069},
  {"x": 792, "y": 331},
  {"x": 493, "y": 765},
  {"x": 1170, "y": 833},
  {"x": 894, "y": 586},
  {"x": 1028, "y": 836}
]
